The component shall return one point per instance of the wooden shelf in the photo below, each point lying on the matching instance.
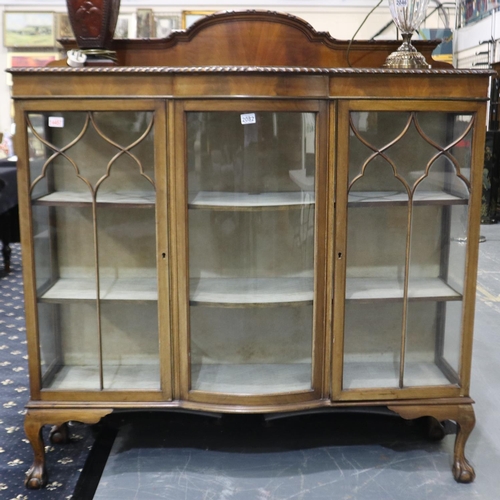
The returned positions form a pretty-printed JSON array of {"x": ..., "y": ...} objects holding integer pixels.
[
  {"x": 385, "y": 289},
  {"x": 78, "y": 199},
  {"x": 370, "y": 373},
  {"x": 375, "y": 198},
  {"x": 121, "y": 289},
  {"x": 251, "y": 292},
  {"x": 256, "y": 378},
  {"x": 139, "y": 376},
  {"x": 218, "y": 200}
]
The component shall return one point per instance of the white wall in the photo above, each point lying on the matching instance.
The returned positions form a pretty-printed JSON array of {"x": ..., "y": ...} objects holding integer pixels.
[
  {"x": 340, "y": 17},
  {"x": 469, "y": 42}
]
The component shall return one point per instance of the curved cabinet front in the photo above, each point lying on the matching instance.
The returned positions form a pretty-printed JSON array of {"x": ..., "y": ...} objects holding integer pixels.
[{"x": 249, "y": 194}]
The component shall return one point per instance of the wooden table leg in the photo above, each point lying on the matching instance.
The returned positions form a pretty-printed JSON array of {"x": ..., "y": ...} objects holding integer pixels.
[
  {"x": 36, "y": 476},
  {"x": 463, "y": 415},
  {"x": 462, "y": 469}
]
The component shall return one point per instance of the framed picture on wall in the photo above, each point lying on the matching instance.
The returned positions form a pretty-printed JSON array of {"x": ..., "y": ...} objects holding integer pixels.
[
  {"x": 28, "y": 29},
  {"x": 165, "y": 23},
  {"x": 29, "y": 60},
  {"x": 145, "y": 23},
  {"x": 191, "y": 16},
  {"x": 125, "y": 26},
  {"x": 64, "y": 29}
]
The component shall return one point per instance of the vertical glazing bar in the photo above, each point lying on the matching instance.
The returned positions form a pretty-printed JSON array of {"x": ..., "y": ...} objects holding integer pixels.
[
  {"x": 98, "y": 289},
  {"x": 405, "y": 292}
]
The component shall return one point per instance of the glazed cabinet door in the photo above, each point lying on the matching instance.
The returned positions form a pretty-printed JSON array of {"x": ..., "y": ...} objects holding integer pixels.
[
  {"x": 406, "y": 248},
  {"x": 93, "y": 189},
  {"x": 251, "y": 178}
]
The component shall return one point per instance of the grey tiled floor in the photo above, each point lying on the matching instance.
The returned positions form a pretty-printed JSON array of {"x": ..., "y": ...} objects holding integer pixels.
[{"x": 346, "y": 457}]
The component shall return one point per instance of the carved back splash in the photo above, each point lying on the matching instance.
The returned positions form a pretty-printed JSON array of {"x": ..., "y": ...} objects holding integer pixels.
[{"x": 258, "y": 38}]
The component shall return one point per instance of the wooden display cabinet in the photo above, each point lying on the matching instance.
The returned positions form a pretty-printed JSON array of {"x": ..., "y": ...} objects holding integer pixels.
[{"x": 233, "y": 220}]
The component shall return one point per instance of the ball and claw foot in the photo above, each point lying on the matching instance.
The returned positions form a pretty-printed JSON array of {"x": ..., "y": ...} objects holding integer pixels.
[
  {"x": 463, "y": 472},
  {"x": 36, "y": 478}
]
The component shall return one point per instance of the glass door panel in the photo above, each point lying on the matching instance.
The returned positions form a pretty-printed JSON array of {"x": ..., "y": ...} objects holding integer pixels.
[
  {"x": 64, "y": 263},
  {"x": 93, "y": 205},
  {"x": 408, "y": 198},
  {"x": 130, "y": 360},
  {"x": 372, "y": 344},
  {"x": 71, "y": 346},
  {"x": 251, "y": 350},
  {"x": 128, "y": 290},
  {"x": 376, "y": 243},
  {"x": 437, "y": 266},
  {"x": 251, "y": 250}
]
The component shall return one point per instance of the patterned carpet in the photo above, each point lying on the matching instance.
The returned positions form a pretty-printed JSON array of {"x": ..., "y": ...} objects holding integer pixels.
[{"x": 64, "y": 462}]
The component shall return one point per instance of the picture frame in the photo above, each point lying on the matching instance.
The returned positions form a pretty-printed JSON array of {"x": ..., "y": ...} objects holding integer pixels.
[
  {"x": 191, "y": 16},
  {"x": 165, "y": 24},
  {"x": 30, "y": 60},
  {"x": 145, "y": 23},
  {"x": 28, "y": 29},
  {"x": 64, "y": 29},
  {"x": 125, "y": 27}
]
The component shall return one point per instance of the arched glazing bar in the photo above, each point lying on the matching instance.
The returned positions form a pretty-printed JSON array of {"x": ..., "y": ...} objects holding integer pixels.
[
  {"x": 79, "y": 134},
  {"x": 412, "y": 188}
]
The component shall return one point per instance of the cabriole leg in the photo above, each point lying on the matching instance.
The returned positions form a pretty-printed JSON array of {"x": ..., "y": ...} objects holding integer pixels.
[
  {"x": 35, "y": 419},
  {"x": 36, "y": 477},
  {"x": 463, "y": 415},
  {"x": 462, "y": 470}
]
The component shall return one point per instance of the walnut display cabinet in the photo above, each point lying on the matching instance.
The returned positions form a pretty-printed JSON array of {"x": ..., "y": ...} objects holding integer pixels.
[{"x": 234, "y": 220}]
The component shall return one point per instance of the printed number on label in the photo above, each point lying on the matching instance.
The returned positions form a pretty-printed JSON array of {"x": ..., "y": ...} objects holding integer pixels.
[
  {"x": 248, "y": 118},
  {"x": 401, "y": 3},
  {"x": 56, "y": 121}
]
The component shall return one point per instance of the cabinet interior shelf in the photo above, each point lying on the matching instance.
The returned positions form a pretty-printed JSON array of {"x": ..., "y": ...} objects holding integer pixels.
[
  {"x": 256, "y": 378},
  {"x": 369, "y": 198},
  {"x": 119, "y": 289},
  {"x": 366, "y": 372},
  {"x": 244, "y": 201},
  {"x": 245, "y": 291},
  {"x": 131, "y": 376},
  {"x": 209, "y": 291},
  {"x": 251, "y": 291},
  {"x": 79, "y": 199},
  {"x": 386, "y": 289},
  {"x": 219, "y": 200}
]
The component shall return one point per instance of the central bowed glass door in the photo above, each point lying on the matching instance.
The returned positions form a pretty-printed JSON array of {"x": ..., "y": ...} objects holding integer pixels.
[{"x": 251, "y": 229}]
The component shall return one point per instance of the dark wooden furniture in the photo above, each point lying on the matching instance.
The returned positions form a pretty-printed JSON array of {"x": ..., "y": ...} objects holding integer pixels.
[
  {"x": 232, "y": 220},
  {"x": 8, "y": 209}
]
